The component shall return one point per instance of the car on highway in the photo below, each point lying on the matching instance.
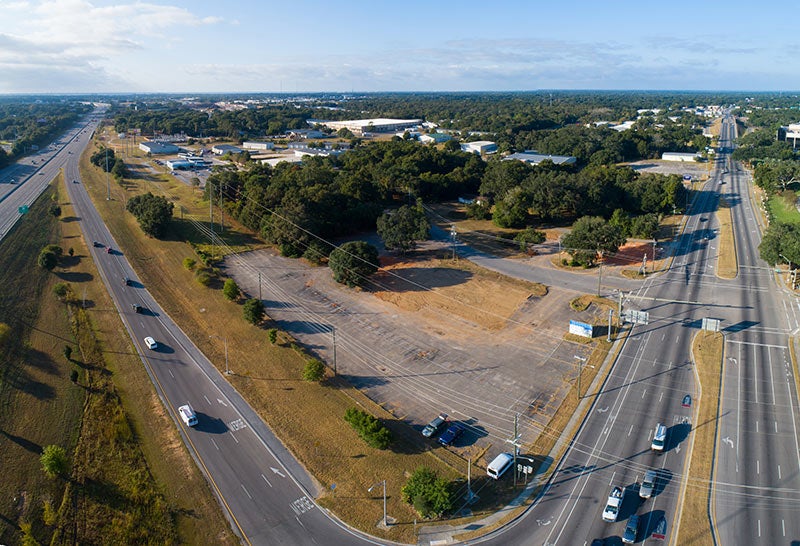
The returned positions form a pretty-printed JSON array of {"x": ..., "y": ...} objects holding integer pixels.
[
  {"x": 136, "y": 308},
  {"x": 631, "y": 530},
  {"x": 659, "y": 438},
  {"x": 150, "y": 342},
  {"x": 613, "y": 504},
  {"x": 451, "y": 434},
  {"x": 434, "y": 426},
  {"x": 108, "y": 250},
  {"x": 126, "y": 281},
  {"x": 96, "y": 244},
  {"x": 74, "y": 181},
  {"x": 188, "y": 415},
  {"x": 648, "y": 484}
]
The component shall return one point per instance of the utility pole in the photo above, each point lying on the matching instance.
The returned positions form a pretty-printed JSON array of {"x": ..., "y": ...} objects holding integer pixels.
[
  {"x": 333, "y": 331},
  {"x": 610, "y": 315},
  {"x": 259, "y": 285},
  {"x": 599, "y": 277},
  {"x": 453, "y": 237}
]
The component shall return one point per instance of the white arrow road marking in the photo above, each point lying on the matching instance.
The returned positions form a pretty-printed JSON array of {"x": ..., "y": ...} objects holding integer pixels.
[
  {"x": 541, "y": 522},
  {"x": 278, "y": 472},
  {"x": 603, "y": 410},
  {"x": 728, "y": 441},
  {"x": 222, "y": 402},
  {"x": 677, "y": 449}
]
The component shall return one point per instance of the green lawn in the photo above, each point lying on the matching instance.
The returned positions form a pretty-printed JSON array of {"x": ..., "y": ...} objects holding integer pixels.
[{"x": 782, "y": 207}]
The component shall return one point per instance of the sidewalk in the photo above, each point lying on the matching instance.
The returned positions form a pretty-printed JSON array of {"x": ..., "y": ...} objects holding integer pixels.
[{"x": 439, "y": 535}]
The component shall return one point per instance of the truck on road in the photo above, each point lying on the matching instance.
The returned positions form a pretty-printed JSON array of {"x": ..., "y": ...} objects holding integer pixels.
[{"x": 611, "y": 511}]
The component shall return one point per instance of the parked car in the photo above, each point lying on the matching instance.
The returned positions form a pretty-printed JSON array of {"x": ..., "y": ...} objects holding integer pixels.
[
  {"x": 451, "y": 434},
  {"x": 631, "y": 530},
  {"x": 150, "y": 342},
  {"x": 434, "y": 426}
]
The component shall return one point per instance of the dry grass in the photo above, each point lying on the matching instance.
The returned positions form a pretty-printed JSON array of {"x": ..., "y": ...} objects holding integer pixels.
[
  {"x": 727, "y": 267},
  {"x": 694, "y": 527}
]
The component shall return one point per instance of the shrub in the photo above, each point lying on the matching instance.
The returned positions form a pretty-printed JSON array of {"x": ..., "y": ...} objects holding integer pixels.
[
  {"x": 231, "y": 290},
  {"x": 54, "y": 461},
  {"x": 368, "y": 428},
  {"x": 68, "y": 352},
  {"x": 314, "y": 370},
  {"x": 273, "y": 335},
  {"x": 253, "y": 311},
  {"x": 47, "y": 260},
  {"x": 55, "y": 210},
  {"x": 73, "y": 376},
  {"x": 5, "y": 333},
  {"x": 203, "y": 276},
  {"x": 189, "y": 263},
  {"x": 430, "y": 495},
  {"x": 61, "y": 290}
]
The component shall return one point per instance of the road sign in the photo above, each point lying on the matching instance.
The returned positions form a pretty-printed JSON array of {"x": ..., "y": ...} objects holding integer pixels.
[
  {"x": 23, "y": 209},
  {"x": 687, "y": 401},
  {"x": 636, "y": 317},
  {"x": 687, "y": 177},
  {"x": 711, "y": 324},
  {"x": 660, "y": 532},
  {"x": 580, "y": 328}
]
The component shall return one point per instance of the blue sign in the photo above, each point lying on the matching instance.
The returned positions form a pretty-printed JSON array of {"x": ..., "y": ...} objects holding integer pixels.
[
  {"x": 687, "y": 401},
  {"x": 23, "y": 209},
  {"x": 580, "y": 328},
  {"x": 687, "y": 177}
]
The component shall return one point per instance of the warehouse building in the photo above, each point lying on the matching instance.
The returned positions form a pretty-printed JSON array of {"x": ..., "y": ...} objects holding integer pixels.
[
  {"x": 258, "y": 145},
  {"x": 157, "y": 147},
  {"x": 366, "y": 126},
  {"x": 479, "y": 147},
  {"x": 680, "y": 156},
  {"x": 532, "y": 157}
]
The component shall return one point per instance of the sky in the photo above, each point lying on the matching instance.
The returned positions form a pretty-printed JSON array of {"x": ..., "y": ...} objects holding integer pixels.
[{"x": 236, "y": 46}]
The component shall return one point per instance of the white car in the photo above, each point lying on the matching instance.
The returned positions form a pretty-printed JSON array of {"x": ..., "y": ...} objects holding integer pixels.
[
  {"x": 188, "y": 415},
  {"x": 613, "y": 505},
  {"x": 150, "y": 342}
]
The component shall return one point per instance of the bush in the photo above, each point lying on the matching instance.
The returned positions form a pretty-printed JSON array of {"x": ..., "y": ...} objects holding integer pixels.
[
  {"x": 231, "y": 290},
  {"x": 54, "y": 461},
  {"x": 273, "y": 335},
  {"x": 203, "y": 276},
  {"x": 253, "y": 311},
  {"x": 47, "y": 260},
  {"x": 55, "y": 210},
  {"x": 430, "y": 495},
  {"x": 189, "y": 263},
  {"x": 368, "y": 428},
  {"x": 61, "y": 290},
  {"x": 67, "y": 352},
  {"x": 314, "y": 370},
  {"x": 73, "y": 376}
]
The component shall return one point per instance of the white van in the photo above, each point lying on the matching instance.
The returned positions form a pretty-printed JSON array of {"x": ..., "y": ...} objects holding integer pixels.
[
  {"x": 659, "y": 438},
  {"x": 499, "y": 465},
  {"x": 188, "y": 415}
]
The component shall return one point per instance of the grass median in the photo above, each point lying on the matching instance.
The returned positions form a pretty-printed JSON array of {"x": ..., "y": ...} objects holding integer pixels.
[
  {"x": 727, "y": 268},
  {"x": 695, "y": 527}
]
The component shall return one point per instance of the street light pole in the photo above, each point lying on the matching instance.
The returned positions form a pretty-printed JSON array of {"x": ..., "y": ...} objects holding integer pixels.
[
  {"x": 225, "y": 341},
  {"x": 385, "y": 524}
]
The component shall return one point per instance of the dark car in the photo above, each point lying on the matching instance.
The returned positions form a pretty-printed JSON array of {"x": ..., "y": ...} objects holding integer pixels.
[
  {"x": 434, "y": 426},
  {"x": 127, "y": 281},
  {"x": 108, "y": 250},
  {"x": 631, "y": 530},
  {"x": 74, "y": 181},
  {"x": 136, "y": 308},
  {"x": 450, "y": 435},
  {"x": 96, "y": 244}
]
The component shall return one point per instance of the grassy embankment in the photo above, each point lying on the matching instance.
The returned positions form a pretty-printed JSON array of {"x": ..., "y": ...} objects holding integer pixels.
[
  {"x": 109, "y": 495},
  {"x": 694, "y": 526}
]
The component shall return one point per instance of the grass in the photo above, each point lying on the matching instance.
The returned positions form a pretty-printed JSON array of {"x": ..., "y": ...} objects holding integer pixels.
[
  {"x": 782, "y": 207},
  {"x": 694, "y": 526},
  {"x": 727, "y": 267}
]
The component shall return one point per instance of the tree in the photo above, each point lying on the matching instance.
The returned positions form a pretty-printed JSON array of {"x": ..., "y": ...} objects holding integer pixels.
[
  {"x": 272, "y": 335},
  {"x": 253, "y": 311},
  {"x": 73, "y": 376},
  {"x": 5, "y": 333},
  {"x": 529, "y": 237},
  {"x": 430, "y": 495},
  {"x": 591, "y": 235},
  {"x": 47, "y": 259},
  {"x": 61, "y": 290},
  {"x": 231, "y": 290},
  {"x": 68, "y": 352},
  {"x": 353, "y": 262},
  {"x": 368, "y": 428},
  {"x": 54, "y": 461},
  {"x": 401, "y": 229},
  {"x": 314, "y": 370},
  {"x": 780, "y": 240},
  {"x": 152, "y": 212},
  {"x": 512, "y": 210},
  {"x": 55, "y": 210},
  {"x": 189, "y": 263}
]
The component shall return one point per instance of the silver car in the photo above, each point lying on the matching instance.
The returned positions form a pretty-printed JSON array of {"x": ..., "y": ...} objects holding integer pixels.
[
  {"x": 432, "y": 427},
  {"x": 648, "y": 484}
]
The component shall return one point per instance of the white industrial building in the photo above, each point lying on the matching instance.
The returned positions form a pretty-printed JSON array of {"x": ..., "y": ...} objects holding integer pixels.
[
  {"x": 375, "y": 125},
  {"x": 284, "y": 159},
  {"x": 790, "y": 133},
  {"x": 534, "y": 158},
  {"x": 680, "y": 156},
  {"x": 222, "y": 149},
  {"x": 157, "y": 147},
  {"x": 258, "y": 145},
  {"x": 434, "y": 138},
  {"x": 479, "y": 147}
]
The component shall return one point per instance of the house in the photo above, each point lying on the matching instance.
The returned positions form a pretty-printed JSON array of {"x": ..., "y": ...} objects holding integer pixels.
[
  {"x": 479, "y": 147},
  {"x": 531, "y": 157},
  {"x": 157, "y": 147}
]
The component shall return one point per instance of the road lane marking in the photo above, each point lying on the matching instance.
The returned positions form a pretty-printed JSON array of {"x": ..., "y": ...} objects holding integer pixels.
[
  {"x": 758, "y": 466},
  {"x": 278, "y": 472},
  {"x": 756, "y": 427},
  {"x": 301, "y": 506},
  {"x": 170, "y": 373},
  {"x": 266, "y": 480},
  {"x": 783, "y": 527},
  {"x": 794, "y": 424},
  {"x": 232, "y": 436},
  {"x": 246, "y": 492},
  {"x": 643, "y": 393},
  {"x": 612, "y": 477},
  {"x": 755, "y": 375},
  {"x": 779, "y": 472},
  {"x": 771, "y": 378},
  {"x": 776, "y": 427},
  {"x": 661, "y": 397},
  {"x": 207, "y": 400},
  {"x": 630, "y": 430},
  {"x": 215, "y": 444},
  {"x": 759, "y": 527}
]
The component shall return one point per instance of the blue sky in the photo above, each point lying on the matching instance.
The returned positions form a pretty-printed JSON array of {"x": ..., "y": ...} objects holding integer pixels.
[{"x": 75, "y": 46}]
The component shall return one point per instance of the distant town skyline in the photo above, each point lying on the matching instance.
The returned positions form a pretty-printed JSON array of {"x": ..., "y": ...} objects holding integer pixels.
[{"x": 79, "y": 46}]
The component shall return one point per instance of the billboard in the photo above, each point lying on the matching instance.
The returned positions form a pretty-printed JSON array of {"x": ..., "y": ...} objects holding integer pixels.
[{"x": 580, "y": 328}]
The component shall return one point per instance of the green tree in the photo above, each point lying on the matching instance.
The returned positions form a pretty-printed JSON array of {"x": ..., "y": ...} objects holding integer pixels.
[
  {"x": 47, "y": 259},
  {"x": 253, "y": 311},
  {"x": 368, "y": 428},
  {"x": 54, "y": 461},
  {"x": 528, "y": 237},
  {"x": 353, "y": 262},
  {"x": 5, "y": 333},
  {"x": 781, "y": 239},
  {"x": 272, "y": 335},
  {"x": 512, "y": 211},
  {"x": 231, "y": 290},
  {"x": 314, "y": 370},
  {"x": 189, "y": 263},
  {"x": 61, "y": 290},
  {"x": 401, "y": 229},
  {"x": 152, "y": 212},
  {"x": 589, "y": 236},
  {"x": 430, "y": 495},
  {"x": 55, "y": 210}
]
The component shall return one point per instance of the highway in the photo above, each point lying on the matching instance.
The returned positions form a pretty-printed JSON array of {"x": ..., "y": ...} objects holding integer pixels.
[{"x": 757, "y": 481}]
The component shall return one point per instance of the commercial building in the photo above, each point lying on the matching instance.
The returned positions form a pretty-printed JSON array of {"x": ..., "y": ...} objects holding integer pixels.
[
  {"x": 531, "y": 157},
  {"x": 156, "y": 147},
  {"x": 222, "y": 149},
  {"x": 790, "y": 133},
  {"x": 680, "y": 156},
  {"x": 273, "y": 161},
  {"x": 258, "y": 145},
  {"x": 365, "y": 126},
  {"x": 479, "y": 147},
  {"x": 434, "y": 138}
]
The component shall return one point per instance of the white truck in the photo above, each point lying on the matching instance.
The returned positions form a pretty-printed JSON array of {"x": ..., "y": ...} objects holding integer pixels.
[{"x": 611, "y": 511}]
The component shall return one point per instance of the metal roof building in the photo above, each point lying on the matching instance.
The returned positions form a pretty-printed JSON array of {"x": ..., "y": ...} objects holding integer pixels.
[
  {"x": 534, "y": 158},
  {"x": 158, "y": 147},
  {"x": 375, "y": 125}
]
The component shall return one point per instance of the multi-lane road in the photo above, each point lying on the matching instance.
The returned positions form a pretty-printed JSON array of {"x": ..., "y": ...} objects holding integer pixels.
[{"x": 267, "y": 496}]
